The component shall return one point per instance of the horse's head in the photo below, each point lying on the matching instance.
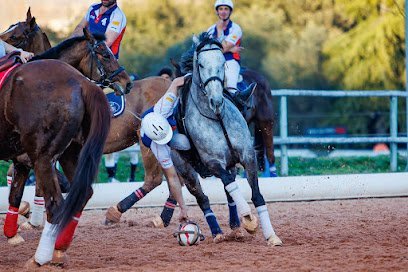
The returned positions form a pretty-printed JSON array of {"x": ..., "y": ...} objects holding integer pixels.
[
  {"x": 208, "y": 70},
  {"x": 27, "y": 36},
  {"x": 103, "y": 67}
]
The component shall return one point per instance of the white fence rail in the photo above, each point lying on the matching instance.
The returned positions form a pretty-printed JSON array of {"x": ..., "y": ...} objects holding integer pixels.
[{"x": 284, "y": 140}]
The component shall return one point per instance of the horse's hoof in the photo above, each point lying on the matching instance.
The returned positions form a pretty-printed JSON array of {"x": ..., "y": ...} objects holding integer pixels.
[
  {"x": 59, "y": 258},
  {"x": 29, "y": 226},
  {"x": 31, "y": 265},
  {"x": 219, "y": 238},
  {"x": 236, "y": 234},
  {"x": 274, "y": 241},
  {"x": 112, "y": 215},
  {"x": 158, "y": 222},
  {"x": 250, "y": 223},
  {"x": 24, "y": 209},
  {"x": 15, "y": 240}
]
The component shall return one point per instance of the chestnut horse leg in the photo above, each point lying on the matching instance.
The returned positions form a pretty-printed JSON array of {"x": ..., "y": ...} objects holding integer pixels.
[
  {"x": 153, "y": 178},
  {"x": 16, "y": 193},
  {"x": 266, "y": 128}
]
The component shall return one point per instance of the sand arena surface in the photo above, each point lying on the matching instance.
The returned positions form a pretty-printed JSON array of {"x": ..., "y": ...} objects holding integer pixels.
[{"x": 347, "y": 235}]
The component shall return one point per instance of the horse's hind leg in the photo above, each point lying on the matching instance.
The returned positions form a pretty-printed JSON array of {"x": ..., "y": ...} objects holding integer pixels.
[
  {"x": 24, "y": 208},
  {"x": 16, "y": 193},
  {"x": 48, "y": 184},
  {"x": 266, "y": 128},
  {"x": 190, "y": 177},
  {"x": 153, "y": 178},
  {"x": 260, "y": 205}
]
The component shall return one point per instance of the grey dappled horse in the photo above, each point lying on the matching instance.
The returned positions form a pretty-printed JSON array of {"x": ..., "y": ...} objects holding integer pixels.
[{"x": 219, "y": 134}]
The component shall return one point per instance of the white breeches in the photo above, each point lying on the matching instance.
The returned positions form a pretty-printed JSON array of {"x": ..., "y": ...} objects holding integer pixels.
[{"x": 232, "y": 68}]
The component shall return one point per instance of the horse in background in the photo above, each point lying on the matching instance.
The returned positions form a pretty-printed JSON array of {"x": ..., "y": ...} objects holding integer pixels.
[
  {"x": 220, "y": 139},
  {"x": 27, "y": 35},
  {"x": 259, "y": 112}
]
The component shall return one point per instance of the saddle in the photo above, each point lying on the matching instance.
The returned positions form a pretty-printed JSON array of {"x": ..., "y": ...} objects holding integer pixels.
[
  {"x": 9, "y": 60},
  {"x": 190, "y": 155}
]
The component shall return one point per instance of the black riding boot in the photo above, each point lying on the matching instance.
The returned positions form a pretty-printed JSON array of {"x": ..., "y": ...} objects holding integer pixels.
[{"x": 241, "y": 97}]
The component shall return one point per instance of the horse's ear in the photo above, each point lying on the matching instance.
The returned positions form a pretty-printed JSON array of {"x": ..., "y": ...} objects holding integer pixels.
[
  {"x": 32, "y": 23},
  {"x": 196, "y": 40},
  {"x": 29, "y": 17},
  {"x": 88, "y": 35},
  {"x": 176, "y": 66}
]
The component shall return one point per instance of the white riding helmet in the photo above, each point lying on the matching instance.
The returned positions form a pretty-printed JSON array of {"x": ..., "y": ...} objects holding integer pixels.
[
  {"x": 156, "y": 127},
  {"x": 227, "y": 3}
]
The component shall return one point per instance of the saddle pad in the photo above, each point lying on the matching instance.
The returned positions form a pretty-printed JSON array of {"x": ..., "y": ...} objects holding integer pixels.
[
  {"x": 5, "y": 73},
  {"x": 116, "y": 103}
]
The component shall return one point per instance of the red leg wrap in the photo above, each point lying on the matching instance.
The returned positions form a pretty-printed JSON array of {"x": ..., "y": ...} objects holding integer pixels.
[
  {"x": 64, "y": 239},
  {"x": 10, "y": 226}
]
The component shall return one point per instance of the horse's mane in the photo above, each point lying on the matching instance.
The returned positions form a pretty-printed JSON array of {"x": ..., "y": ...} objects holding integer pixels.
[
  {"x": 54, "y": 52},
  {"x": 186, "y": 62}
]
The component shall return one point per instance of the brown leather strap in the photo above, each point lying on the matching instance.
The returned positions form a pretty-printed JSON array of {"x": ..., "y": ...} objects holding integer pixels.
[{"x": 9, "y": 60}]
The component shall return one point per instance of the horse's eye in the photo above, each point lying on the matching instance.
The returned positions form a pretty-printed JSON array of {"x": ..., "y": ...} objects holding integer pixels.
[{"x": 13, "y": 37}]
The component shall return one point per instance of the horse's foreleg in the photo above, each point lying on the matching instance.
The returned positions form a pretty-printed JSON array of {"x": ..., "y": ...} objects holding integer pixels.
[
  {"x": 153, "y": 178},
  {"x": 190, "y": 178},
  {"x": 233, "y": 212},
  {"x": 21, "y": 172},
  {"x": 260, "y": 205},
  {"x": 266, "y": 128}
]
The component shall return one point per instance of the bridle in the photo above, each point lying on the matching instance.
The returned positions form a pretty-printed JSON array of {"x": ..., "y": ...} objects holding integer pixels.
[
  {"x": 105, "y": 79},
  {"x": 27, "y": 35},
  {"x": 202, "y": 85}
]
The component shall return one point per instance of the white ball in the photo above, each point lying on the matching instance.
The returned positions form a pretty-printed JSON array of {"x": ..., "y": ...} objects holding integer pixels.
[{"x": 188, "y": 235}]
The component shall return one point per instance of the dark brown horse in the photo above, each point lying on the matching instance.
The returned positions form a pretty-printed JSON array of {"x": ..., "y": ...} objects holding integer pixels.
[
  {"x": 52, "y": 114},
  {"x": 45, "y": 106}
]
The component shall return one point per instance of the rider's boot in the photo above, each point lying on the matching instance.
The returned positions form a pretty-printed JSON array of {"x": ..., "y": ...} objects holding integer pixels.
[{"x": 241, "y": 97}]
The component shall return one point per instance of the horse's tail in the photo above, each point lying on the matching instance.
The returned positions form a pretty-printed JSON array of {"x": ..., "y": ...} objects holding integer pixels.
[{"x": 95, "y": 125}]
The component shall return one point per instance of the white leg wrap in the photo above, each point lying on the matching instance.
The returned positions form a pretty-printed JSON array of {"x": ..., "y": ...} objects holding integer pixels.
[
  {"x": 266, "y": 224},
  {"x": 37, "y": 215},
  {"x": 110, "y": 160},
  {"x": 242, "y": 205},
  {"x": 9, "y": 181},
  {"x": 46, "y": 246},
  {"x": 134, "y": 158}
]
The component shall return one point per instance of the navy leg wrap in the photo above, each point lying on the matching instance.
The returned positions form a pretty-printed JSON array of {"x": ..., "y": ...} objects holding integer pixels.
[
  {"x": 212, "y": 222},
  {"x": 233, "y": 213},
  {"x": 131, "y": 199},
  {"x": 168, "y": 211}
]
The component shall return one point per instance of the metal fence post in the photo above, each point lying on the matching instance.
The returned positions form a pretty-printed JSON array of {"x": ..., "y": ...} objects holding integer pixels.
[
  {"x": 283, "y": 118},
  {"x": 394, "y": 133}
]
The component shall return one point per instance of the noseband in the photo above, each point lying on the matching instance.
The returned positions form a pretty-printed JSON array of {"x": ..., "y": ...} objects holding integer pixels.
[
  {"x": 200, "y": 82},
  {"x": 27, "y": 36},
  {"x": 106, "y": 79}
]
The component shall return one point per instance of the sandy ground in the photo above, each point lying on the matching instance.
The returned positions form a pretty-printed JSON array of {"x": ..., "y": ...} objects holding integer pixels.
[{"x": 347, "y": 235}]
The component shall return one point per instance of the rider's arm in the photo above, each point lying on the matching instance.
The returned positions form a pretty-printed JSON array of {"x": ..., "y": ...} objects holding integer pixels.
[
  {"x": 175, "y": 189},
  {"x": 165, "y": 105},
  {"x": 79, "y": 29},
  {"x": 25, "y": 56},
  {"x": 229, "y": 42},
  {"x": 115, "y": 27}
]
